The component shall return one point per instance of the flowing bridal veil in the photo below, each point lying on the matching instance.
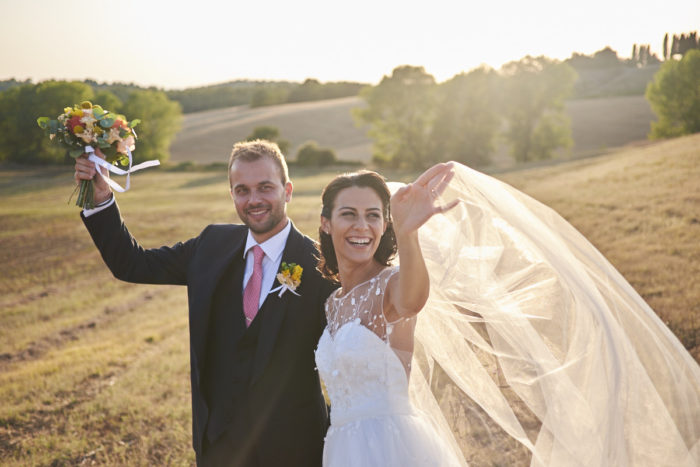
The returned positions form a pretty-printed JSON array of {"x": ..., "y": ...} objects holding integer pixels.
[{"x": 534, "y": 350}]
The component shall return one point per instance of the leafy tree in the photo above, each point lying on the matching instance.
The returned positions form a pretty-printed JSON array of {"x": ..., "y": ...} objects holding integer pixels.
[
  {"x": 160, "y": 121},
  {"x": 312, "y": 90},
  {"x": 674, "y": 96},
  {"x": 269, "y": 133},
  {"x": 607, "y": 58},
  {"x": 310, "y": 154},
  {"x": 665, "y": 48},
  {"x": 269, "y": 95},
  {"x": 534, "y": 92},
  {"x": 400, "y": 113},
  {"x": 309, "y": 90},
  {"x": 21, "y": 140},
  {"x": 107, "y": 100},
  {"x": 467, "y": 118}
]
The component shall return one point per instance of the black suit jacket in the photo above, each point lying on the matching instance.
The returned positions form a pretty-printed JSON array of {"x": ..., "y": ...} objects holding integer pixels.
[{"x": 277, "y": 406}]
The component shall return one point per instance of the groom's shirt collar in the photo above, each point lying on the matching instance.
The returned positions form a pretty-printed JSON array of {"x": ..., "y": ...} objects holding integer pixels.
[{"x": 273, "y": 246}]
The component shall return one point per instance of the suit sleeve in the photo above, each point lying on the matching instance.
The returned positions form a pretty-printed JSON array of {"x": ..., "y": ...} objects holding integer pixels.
[{"x": 130, "y": 262}]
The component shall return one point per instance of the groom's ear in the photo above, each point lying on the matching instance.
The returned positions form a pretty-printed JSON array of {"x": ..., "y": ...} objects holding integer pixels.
[{"x": 288, "y": 189}]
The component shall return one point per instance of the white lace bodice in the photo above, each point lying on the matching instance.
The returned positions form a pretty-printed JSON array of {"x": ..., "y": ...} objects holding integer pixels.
[{"x": 357, "y": 357}]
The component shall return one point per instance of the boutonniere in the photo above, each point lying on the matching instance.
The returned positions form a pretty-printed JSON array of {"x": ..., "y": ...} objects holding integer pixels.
[{"x": 289, "y": 278}]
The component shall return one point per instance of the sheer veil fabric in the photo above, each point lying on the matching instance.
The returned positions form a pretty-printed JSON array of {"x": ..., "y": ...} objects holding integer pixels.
[{"x": 534, "y": 350}]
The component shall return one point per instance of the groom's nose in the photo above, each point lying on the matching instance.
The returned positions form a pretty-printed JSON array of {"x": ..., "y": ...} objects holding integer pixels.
[{"x": 254, "y": 197}]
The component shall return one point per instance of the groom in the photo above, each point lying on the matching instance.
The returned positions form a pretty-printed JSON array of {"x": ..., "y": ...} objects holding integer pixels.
[{"x": 256, "y": 396}]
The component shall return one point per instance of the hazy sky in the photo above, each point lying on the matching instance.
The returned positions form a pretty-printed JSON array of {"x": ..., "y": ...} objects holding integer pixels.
[{"x": 173, "y": 44}]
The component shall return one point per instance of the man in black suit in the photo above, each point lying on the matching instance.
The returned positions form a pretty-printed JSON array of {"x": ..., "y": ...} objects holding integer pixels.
[{"x": 256, "y": 396}]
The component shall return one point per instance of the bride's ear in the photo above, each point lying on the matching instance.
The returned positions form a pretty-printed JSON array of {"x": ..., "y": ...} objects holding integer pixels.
[{"x": 325, "y": 225}]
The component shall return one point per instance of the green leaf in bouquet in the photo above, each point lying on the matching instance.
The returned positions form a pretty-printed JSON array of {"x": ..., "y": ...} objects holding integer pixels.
[
  {"x": 75, "y": 153},
  {"x": 53, "y": 127},
  {"x": 109, "y": 152},
  {"x": 43, "y": 122},
  {"x": 134, "y": 122},
  {"x": 107, "y": 122}
]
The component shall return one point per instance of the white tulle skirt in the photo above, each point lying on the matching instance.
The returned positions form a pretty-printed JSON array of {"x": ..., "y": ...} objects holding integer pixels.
[{"x": 403, "y": 440}]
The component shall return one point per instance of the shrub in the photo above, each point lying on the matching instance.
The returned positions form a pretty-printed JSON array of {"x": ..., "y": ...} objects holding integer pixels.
[{"x": 310, "y": 154}]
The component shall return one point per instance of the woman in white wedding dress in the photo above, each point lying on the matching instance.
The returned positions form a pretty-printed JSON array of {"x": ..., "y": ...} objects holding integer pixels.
[
  {"x": 364, "y": 355},
  {"x": 531, "y": 349}
]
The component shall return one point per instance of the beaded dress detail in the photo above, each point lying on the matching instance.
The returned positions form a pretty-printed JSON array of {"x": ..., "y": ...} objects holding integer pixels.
[{"x": 364, "y": 361}]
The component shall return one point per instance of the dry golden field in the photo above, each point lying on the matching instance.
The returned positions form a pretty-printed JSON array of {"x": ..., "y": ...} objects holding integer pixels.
[
  {"x": 95, "y": 371},
  {"x": 598, "y": 124}
]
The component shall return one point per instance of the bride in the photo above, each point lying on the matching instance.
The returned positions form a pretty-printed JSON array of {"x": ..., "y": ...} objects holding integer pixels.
[
  {"x": 364, "y": 354},
  {"x": 503, "y": 337}
]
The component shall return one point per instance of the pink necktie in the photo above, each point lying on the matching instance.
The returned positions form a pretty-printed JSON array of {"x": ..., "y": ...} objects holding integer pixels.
[{"x": 251, "y": 294}]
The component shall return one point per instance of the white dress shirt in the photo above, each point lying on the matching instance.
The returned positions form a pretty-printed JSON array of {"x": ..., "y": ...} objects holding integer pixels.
[
  {"x": 103, "y": 206},
  {"x": 273, "y": 248}
]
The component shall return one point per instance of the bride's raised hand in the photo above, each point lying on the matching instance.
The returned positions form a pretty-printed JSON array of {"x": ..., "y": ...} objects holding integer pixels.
[{"x": 415, "y": 203}]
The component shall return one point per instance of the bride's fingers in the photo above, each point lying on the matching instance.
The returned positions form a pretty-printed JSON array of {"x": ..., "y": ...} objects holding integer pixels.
[
  {"x": 440, "y": 181},
  {"x": 424, "y": 178},
  {"x": 401, "y": 192},
  {"x": 448, "y": 206}
]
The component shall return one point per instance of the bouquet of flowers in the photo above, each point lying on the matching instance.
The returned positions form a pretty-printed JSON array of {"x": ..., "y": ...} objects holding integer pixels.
[{"x": 82, "y": 128}]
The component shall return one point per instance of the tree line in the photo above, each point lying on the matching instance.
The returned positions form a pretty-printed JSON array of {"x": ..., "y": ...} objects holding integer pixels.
[
  {"x": 680, "y": 44},
  {"x": 240, "y": 92},
  {"x": 415, "y": 122},
  {"x": 22, "y": 141}
]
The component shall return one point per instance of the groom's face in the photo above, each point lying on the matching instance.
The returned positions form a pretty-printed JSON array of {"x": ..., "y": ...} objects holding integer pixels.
[{"x": 260, "y": 196}]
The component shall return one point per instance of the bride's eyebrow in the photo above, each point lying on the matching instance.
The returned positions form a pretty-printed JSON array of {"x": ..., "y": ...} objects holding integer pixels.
[{"x": 355, "y": 209}]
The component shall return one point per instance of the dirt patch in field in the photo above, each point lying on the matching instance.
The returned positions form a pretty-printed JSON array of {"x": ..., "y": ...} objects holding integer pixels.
[{"x": 37, "y": 349}]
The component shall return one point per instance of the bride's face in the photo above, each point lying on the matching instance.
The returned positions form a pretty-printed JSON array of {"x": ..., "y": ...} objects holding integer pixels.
[{"x": 356, "y": 225}]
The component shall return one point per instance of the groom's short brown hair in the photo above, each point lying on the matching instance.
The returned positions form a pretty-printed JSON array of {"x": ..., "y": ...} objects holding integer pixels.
[{"x": 250, "y": 151}]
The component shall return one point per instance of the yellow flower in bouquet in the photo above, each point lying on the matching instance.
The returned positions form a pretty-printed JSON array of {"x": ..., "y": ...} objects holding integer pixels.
[{"x": 289, "y": 278}]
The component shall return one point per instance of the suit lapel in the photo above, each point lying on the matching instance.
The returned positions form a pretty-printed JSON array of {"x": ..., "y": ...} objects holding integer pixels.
[
  {"x": 216, "y": 268},
  {"x": 276, "y": 308}
]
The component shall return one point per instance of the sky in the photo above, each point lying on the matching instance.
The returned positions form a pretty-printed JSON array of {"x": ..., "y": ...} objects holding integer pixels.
[{"x": 175, "y": 45}]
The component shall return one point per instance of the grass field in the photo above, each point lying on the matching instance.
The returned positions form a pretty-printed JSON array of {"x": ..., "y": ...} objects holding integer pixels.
[{"x": 93, "y": 370}]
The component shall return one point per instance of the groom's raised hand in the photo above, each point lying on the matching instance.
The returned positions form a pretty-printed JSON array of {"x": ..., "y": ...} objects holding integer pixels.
[{"x": 85, "y": 170}]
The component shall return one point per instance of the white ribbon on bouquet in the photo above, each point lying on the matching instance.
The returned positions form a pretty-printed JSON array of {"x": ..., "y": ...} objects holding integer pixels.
[{"x": 99, "y": 162}]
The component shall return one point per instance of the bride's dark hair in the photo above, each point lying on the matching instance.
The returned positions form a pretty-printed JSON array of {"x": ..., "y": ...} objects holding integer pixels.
[{"x": 328, "y": 262}]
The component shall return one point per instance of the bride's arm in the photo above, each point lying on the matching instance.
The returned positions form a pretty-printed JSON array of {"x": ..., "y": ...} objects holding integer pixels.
[{"x": 411, "y": 207}]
